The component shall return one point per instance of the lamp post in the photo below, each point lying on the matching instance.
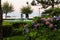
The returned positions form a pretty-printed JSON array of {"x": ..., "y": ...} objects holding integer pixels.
[
  {"x": 39, "y": 12},
  {"x": 33, "y": 3}
]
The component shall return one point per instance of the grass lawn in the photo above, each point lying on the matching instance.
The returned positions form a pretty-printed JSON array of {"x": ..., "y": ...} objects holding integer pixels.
[
  {"x": 7, "y": 23},
  {"x": 21, "y": 38},
  {"x": 15, "y": 38},
  {"x": 10, "y": 23}
]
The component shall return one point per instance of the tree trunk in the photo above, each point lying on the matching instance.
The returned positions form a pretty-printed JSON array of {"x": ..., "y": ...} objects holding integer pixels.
[
  {"x": 21, "y": 16},
  {"x": 1, "y": 32},
  {"x": 27, "y": 16},
  {"x": 52, "y": 3}
]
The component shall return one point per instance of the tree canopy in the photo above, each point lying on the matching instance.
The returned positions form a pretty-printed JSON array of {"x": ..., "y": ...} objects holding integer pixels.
[
  {"x": 7, "y": 8},
  {"x": 46, "y": 3},
  {"x": 52, "y": 12},
  {"x": 26, "y": 10}
]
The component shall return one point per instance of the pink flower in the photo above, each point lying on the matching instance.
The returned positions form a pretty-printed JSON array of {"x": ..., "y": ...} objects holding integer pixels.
[
  {"x": 47, "y": 22},
  {"x": 51, "y": 25},
  {"x": 50, "y": 19},
  {"x": 42, "y": 19}
]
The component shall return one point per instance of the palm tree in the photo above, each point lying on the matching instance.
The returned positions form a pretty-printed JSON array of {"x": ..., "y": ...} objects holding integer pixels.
[
  {"x": 7, "y": 8},
  {"x": 1, "y": 32},
  {"x": 26, "y": 10}
]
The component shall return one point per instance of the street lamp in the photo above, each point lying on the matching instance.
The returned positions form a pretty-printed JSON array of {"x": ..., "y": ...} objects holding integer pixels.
[
  {"x": 39, "y": 11},
  {"x": 33, "y": 3}
]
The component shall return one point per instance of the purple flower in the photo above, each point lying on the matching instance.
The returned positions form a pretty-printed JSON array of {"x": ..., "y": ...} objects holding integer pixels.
[
  {"x": 36, "y": 25},
  {"x": 58, "y": 18}
]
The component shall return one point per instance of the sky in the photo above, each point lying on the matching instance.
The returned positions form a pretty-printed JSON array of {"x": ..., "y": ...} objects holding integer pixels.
[{"x": 18, "y": 4}]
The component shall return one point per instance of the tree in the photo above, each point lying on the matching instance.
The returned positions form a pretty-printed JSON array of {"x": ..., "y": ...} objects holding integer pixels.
[
  {"x": 47, "y": 3},
  {"x": 26, "y": 10},
  {"x": 7, "y": 8},
  {"x": 52, "y": 12},
  {"x": 1, "y": 32},
  {"x": 33, "y": 3}
]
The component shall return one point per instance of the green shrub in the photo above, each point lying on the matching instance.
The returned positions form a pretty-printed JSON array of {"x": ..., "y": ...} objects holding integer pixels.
[
  {"x": 7, "y": 30},
  {"x": 36, "y": 18},
  {"x": 18, "y": 24},
  {"x": 18, "y": 31},
  {"x": 7, "y": 23},
  {"x": 33, "y": 35}
]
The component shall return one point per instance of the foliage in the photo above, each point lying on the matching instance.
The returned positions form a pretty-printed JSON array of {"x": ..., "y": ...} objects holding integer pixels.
[
  {"x": 7, "y": 23},
  {"x": 36, "y": 18},
  {"x": 7, "y": 8},
  {"x": 7, "y": 31},
  {"x": 18, "y": 31},
  {"x": 47, "y": 29},
  {"x": 15, "y": 38},
  {"x": 18, "y": 24},
  {"x": 52, "y": 12},
  {"x": 33, "y": 34},
  {"x": 26, "y": 10},
  {"x": 46, "y": 3},
  {"x": 33, "y": 3}
]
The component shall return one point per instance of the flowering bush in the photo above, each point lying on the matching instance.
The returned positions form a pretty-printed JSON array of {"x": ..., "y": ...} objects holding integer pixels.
[
  {"x": 42, "y": 28},
  {"x": 38, "y": 29},
  {"x": 49, "y": 22}
]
